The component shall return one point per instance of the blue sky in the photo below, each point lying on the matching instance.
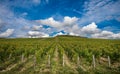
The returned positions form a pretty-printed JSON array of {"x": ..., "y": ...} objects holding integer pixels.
[{"x": 46, "y": 18}]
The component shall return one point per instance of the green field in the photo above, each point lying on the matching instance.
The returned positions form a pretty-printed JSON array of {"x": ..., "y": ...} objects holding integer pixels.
[{"x": 59, "y": 55}]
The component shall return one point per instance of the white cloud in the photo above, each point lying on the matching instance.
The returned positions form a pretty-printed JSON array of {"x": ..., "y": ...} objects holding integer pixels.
[
  {"x": 93, "y": 31},
  {"x": 7, "y": 33},
  {"x": 72, "y": 29},
  {"x": 90, "y": 29},
  {"x": 45, "y": 35},
  {"x": 67, "y": 21},
  {"x": 69, "y": 25},
  {"x": 100, "y": 10},
  {"x": 103, "y": 34},
  {"x": 74, "y": 34},
  {"x": 116, "y": 36},
  {"x": 59, "y": 33},
  {"x": 34, "y": 33},
  {"x": 37, "y": 34},
  {"x": 36, "y": 27},
  {"x": 9, "y": 20},
  {"x": 92, "y": 8},
  {"x": 51, "y": 22},
  {"x": 106, "y": 35}
]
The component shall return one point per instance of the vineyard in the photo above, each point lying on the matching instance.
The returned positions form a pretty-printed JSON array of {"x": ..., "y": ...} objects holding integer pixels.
[{"x": 59, "y": 55}]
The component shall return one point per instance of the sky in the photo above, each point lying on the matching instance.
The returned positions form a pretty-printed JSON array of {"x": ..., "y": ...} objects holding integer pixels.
[{"x": 49, "y": 18}]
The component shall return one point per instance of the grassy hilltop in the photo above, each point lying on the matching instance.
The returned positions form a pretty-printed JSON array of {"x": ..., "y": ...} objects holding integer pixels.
[{"x": 59, "y": 55}]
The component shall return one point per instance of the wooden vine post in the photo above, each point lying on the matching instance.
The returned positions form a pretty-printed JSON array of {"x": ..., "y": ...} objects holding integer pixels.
[
  {"x": 109, "y": 62},
  {"x": 34, "y": 62},
  {"x": 10, "y": 56},
  {"x": 78, "y": 60},
  {"x": 63, "y": 60},
  {"x": 94, "y": 64},
  {"x": 22, "y": 58},
  {"x": 49, "y": 60}
]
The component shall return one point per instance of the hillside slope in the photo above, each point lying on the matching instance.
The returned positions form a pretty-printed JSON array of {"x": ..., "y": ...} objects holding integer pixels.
[{"x": 59, "y": 55}]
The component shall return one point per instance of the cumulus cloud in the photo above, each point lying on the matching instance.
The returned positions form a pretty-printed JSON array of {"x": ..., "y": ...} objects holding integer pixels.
[
  {"x": 7, "y": 33},
  {"x": 67, "y": 21},
  {"x": 103, "y": 34},
  {"x": 59, "y": 33},
  {"x": 72, "y": 29},
  {"x": 82, "y": 31},
  {"x": 51, "y": 22},
  {"x": 106, "y": 35},
  {"x": 74, "y": 34},
  {"x": 70, "y": 25},
  {"x": 93, "y": 31},
  {"x": 90, "y": 29},
  {"x": 116, "y": 36},
  {"x": 37, "y": 34}
]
